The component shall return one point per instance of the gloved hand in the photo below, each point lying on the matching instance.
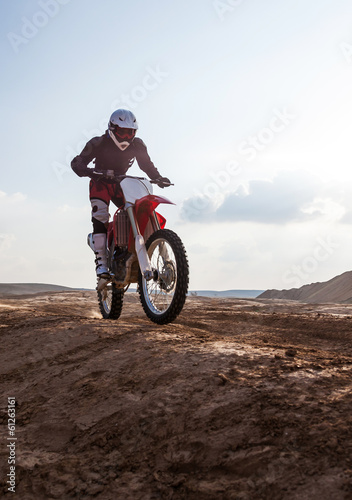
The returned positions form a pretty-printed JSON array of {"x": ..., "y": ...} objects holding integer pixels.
[
  {"x": 83, "y": 171},
  {"x": 80, "y": 168},
  {"x": 162, "y": 181}
]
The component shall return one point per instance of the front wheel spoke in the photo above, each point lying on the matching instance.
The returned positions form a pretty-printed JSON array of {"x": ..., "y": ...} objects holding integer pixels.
[
  {"x": 158, "y": 296},
  {"x": 160, "y": 292}
]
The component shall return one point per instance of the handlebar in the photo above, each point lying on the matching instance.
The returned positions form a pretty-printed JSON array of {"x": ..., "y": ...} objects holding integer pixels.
[
  {"x": 118, "y": 178},
  {"x": 165, "y": 184}
]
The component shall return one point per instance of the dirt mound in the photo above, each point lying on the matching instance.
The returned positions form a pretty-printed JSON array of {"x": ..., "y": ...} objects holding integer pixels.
[
  {"x": 237, "y": 399},
  {"x": 338, "y": 289}
]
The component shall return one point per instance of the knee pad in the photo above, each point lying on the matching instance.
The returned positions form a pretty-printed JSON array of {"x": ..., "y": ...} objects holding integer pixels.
[{"x": 100, "y": 210}]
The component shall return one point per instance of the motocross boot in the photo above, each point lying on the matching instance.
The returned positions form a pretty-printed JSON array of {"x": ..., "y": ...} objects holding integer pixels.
[{"x": 99, "y": 242}]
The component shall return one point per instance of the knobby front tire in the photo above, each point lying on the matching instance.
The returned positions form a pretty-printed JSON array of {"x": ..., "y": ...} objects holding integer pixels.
[
  {"x": 163, "y": 296},
  {"x": 111, "y": 301}
]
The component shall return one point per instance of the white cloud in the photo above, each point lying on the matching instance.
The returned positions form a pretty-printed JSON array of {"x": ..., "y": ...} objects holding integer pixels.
[
  {"x": 12, "y": 198},
  {"x": 291, "y": 196}
]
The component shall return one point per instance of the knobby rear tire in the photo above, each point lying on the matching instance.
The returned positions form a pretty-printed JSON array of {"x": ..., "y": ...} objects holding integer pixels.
[
  {"x": 163, "y": 298},
  {"x": 111, "y": 305}
]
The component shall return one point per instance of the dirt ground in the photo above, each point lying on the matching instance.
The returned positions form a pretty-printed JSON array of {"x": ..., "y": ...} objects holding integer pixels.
[{"x": 237, "y": 399}]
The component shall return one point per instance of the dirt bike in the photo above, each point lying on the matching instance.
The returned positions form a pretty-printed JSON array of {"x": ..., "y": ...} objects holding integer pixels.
[{"x": 159, "y": 266}]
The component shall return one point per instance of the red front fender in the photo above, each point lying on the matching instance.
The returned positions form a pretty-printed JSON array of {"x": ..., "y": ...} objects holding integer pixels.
[
  {"x": 151, "y": 201},
  {"x": 144, "y": 208}
]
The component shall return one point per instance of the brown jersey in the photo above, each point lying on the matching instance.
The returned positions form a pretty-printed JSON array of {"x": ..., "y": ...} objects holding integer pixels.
[{"x": 107, "y": 156}]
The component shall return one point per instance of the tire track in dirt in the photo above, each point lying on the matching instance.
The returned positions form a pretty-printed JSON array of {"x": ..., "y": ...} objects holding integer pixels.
[{"x": 235, "y": 399}]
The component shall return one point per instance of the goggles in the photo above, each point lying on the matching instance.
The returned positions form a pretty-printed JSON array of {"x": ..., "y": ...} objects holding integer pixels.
[{"x": 124, "y": 133}]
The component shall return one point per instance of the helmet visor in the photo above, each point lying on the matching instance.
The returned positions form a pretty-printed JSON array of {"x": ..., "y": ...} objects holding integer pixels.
[{"x": 124, "y": 133}]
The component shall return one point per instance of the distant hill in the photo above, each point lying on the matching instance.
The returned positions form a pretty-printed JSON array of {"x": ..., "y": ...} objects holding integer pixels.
[
  {"x": 235, "y": 294},
  {"x": 338, "y": 289},
  {"x": 29, "y": 288}
]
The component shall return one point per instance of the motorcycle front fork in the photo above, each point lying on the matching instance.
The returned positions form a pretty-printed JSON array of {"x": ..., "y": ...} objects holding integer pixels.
[{"x": 141, "y": 251}]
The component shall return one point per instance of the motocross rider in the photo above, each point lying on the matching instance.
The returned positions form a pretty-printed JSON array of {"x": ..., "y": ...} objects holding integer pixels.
[{"x": 113, "y": 153}]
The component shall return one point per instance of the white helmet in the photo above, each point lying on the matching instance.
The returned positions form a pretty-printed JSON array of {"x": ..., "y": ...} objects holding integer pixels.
[{"x": 122, "y": 128}]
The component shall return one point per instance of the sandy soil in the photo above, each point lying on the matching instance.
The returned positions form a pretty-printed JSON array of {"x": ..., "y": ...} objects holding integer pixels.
[{"x": 237, "y": 399}]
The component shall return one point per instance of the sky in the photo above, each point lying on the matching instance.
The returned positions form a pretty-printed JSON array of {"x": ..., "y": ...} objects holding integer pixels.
[{"x": 245, "y": 105}]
